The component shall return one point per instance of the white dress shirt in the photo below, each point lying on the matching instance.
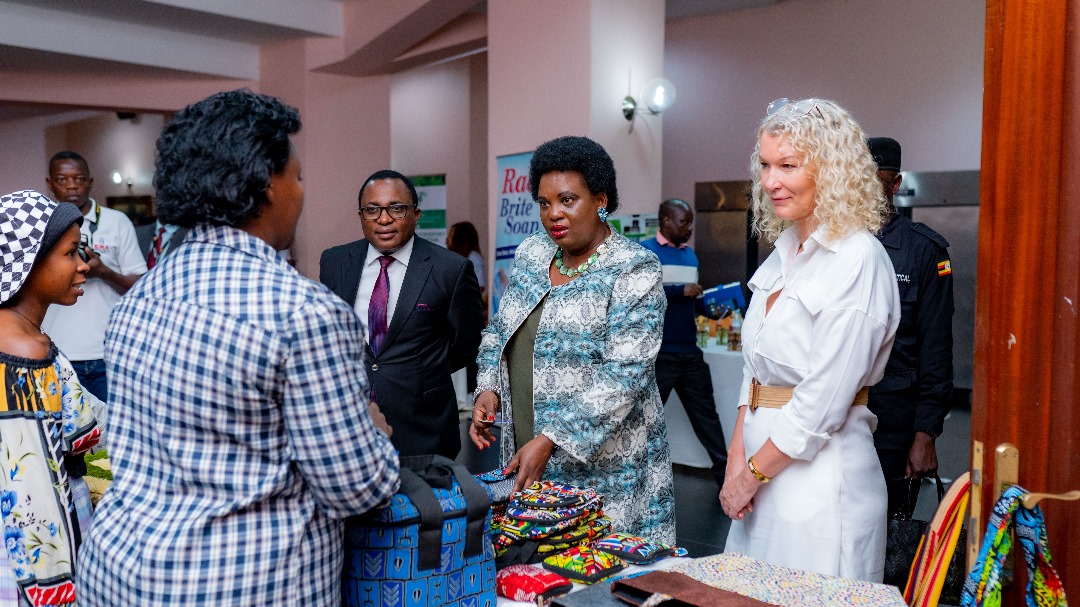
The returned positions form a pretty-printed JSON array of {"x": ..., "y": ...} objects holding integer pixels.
[
  {"x": 828, "y": 334},
  {"x": 395, "y": 272}
]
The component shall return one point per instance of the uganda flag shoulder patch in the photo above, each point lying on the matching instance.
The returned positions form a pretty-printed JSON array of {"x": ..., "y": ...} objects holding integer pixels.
[{"x": 944, "y": 268}]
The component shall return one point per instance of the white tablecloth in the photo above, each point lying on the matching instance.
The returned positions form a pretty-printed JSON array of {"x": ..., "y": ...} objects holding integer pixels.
[{"x": 726, "y": 368}]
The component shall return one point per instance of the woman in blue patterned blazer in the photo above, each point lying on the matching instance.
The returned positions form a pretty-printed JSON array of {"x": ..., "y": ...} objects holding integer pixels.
[{"x": 569, "y": 357}]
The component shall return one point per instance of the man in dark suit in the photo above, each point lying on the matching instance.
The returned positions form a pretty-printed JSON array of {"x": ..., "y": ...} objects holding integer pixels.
[
  {"x": 159, "y": 239},
  {"x": 420, "y": 304}
]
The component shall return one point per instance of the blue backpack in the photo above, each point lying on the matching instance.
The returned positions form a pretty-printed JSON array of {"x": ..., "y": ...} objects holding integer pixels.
[{"x": 429, "y": 547}]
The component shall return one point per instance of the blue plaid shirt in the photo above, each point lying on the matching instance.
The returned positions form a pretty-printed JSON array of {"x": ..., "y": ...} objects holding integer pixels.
[{"x": 238, "y": 433}]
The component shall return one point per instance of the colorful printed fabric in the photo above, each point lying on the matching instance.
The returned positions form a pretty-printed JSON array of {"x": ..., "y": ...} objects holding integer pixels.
[
  {"x": 785, "y": 586},
  {"x": 585, "y": 565},
  {"x": 594, "y": 525},
  {"x": 525, "y": 583},
  {"x": 636, "y": 549},
  {"x": 551, "y": 495},
  {"x": 982, "y": 588},
  {"x": 498, "y": 484},
  {"x": 533, "y": 530},
  {"x": 43, "y": 417},
  {"x": 594, "y": 389},
  {"x": 553, "y": 515}
]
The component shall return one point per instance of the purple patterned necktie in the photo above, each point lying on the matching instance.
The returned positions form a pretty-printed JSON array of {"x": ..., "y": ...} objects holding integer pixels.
[{"x": 380, "y": 299}]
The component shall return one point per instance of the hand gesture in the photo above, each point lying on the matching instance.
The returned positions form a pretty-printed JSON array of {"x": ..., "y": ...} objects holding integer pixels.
[
  {"x": 530, "y": 461},
  {"x": 483, "y": 417}
]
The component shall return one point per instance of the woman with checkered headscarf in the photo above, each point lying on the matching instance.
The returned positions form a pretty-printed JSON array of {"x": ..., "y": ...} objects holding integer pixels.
[{"x": 44, "y": 414}]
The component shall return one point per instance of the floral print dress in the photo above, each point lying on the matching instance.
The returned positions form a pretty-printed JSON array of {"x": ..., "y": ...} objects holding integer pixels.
[
  {"x": 43, "y": 417},
  {"x": 594, "y": 377}
]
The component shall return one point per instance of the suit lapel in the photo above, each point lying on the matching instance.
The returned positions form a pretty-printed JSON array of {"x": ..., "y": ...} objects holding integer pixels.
[
  {"x": 349, "y": 272},
  {"x": 177, "y": 238},
  {"x": 416, "y": 276}
]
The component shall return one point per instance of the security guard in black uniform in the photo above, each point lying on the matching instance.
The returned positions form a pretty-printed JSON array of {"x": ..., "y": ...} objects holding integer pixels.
[{"x": 912, "y": 400}]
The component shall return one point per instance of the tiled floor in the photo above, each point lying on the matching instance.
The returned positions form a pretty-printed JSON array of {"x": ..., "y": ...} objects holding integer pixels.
[{"x": 701, "y": 526}]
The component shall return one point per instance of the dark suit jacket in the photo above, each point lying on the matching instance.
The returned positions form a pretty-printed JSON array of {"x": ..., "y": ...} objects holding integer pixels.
[
  {"x": 146, "y": 233},
  {"x": 434, "y": 331}
]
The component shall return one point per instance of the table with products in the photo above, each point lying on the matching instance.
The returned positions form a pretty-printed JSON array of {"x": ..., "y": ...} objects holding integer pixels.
[{"x": 726, "y": 368}]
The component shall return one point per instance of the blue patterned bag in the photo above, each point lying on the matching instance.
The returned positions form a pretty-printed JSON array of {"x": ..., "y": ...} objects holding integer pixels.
[{"x": 428, "y": 547}]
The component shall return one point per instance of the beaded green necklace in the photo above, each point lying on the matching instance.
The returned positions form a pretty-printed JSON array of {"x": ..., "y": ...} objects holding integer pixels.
[{"x": 572, "y": 272}]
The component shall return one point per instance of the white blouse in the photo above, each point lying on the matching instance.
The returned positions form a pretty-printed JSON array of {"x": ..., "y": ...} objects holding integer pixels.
[{"x": 827, "y": 335}]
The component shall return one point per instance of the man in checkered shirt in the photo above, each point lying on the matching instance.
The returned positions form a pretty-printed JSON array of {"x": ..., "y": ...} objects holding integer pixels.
[{"x": 240, "y": 431}]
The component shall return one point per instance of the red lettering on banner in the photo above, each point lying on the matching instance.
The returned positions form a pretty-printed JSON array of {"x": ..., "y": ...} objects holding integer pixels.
[{"x": 514, "y": 183}]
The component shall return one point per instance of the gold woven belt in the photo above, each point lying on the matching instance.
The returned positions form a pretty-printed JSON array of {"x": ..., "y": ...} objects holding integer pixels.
[{"x": 775, "y": 398}]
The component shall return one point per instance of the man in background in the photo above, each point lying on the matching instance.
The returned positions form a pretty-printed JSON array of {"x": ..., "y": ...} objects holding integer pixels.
[
  {"x": 912, "y": 400},
  {"x": 156, "y": 240},
  {"x": 111, "y": 249},
  {"x": 680, "y": 364},
  {"x": 420, "y": 304}
]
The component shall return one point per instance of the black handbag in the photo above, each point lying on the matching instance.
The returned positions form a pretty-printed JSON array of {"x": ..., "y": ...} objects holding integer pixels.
[{"x": 902, "y": 544}]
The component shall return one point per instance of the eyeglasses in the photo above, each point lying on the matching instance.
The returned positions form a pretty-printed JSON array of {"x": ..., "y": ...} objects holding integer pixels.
[
  {"x": 374, "y": 212},
  {"x": 796, "y": 108}
]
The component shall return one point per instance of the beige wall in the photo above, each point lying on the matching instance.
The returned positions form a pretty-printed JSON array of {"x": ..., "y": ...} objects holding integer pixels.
[
  {"x": 910, "y": 70},
  {"x": 562, "y": 67},
  {"x": 110, "y": 144}
]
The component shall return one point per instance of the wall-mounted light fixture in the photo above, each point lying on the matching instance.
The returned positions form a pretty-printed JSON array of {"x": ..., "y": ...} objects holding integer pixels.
[
  {"x": 117, "y": 178},
  {"x": 656, "y": 96}
]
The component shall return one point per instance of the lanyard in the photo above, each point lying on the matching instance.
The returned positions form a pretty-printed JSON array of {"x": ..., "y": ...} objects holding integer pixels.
[{"x": 94, "y": 224}]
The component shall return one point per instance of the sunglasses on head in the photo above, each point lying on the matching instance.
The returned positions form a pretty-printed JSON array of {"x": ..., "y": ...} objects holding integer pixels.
[{"x": 795, "y": 108}]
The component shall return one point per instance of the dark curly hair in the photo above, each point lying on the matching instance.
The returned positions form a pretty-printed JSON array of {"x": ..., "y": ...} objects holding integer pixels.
[
  {"x": 215, "y": 158},
  {"x": 579, "y": 154}
]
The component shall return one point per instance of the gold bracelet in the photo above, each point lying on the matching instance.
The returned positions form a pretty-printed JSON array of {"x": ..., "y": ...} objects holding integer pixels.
[{"x": 757, "y": 473}]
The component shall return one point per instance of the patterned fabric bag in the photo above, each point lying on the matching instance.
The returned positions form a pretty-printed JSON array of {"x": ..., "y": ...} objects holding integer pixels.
[
  {"x": 585, "y": 565},
  {"x": 983, "y": 585},
  {"x": 636, "y": 550},
  {"x": 525, "y": 583},
  {"x": 498, "y": 484},
  {"x": 548, "y": 508},
  {"x": 428, "y": 547}
]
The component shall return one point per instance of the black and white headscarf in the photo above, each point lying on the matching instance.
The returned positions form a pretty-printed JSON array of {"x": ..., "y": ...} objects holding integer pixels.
[{"x": 24, "y": 216}]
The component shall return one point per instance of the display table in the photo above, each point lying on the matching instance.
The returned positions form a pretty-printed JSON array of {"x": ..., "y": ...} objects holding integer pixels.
[
  {"x": 661, "y": 565},
  {"x": 727, "y": 369}
]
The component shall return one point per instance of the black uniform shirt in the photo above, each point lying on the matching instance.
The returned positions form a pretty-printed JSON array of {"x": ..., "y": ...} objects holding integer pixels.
[{"x": 914, "y": 394}]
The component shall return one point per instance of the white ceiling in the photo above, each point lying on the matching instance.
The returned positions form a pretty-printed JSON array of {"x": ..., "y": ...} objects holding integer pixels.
[{"x": 218, "y": 38}]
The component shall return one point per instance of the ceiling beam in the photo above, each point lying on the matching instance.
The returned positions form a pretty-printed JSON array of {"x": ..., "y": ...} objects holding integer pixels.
[{"x": 31, "y": 27}]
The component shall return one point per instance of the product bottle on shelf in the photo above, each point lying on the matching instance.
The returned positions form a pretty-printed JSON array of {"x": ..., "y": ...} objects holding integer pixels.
[{"x": 735, "y": 335}]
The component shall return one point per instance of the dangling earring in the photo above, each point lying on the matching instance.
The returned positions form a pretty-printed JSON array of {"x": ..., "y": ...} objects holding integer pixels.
[{"x": 602, "y": 212}]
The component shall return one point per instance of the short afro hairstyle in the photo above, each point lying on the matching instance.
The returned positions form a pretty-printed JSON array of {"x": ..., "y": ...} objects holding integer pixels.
[
  {"x": 388, "y": 174},
  {"x": 579, "y": 154},
  {"x": 69, "y": 155},
  {"x": 215, "y": 158}
]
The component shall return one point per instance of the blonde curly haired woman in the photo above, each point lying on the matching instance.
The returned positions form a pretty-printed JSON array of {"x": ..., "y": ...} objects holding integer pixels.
[{"x": 804, "y": 487}]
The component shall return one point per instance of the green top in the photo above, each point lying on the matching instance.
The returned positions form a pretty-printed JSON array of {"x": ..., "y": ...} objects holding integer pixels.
[{"x": 519, "y": 362}]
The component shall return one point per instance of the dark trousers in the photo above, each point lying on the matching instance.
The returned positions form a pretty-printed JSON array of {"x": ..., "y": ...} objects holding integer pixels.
[
  {"x": 894, "y": 466},
  {"x": 688, "y": 374},
  {"x": 91, "y": 374}
]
